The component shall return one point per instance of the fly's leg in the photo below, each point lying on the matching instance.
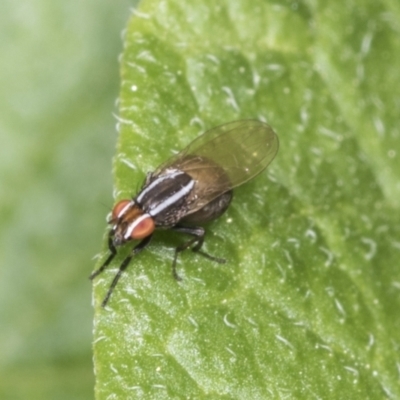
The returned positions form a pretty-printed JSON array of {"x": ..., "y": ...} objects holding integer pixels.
[
  {"x": 198, "y": 240},
  {"x": 113, "y": 252},
  {"x": 136, "y": 250}
]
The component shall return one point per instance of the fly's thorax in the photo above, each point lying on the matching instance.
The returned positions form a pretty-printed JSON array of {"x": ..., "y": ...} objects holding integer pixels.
[
  {"x": 166, "y": 196},
  {"x": 130, "y": 222}
]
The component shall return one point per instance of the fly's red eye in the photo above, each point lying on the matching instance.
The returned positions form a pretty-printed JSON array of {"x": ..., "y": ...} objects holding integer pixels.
[
  {"x": 144, "y": 228},
  {"x": 119, "y": 208}
]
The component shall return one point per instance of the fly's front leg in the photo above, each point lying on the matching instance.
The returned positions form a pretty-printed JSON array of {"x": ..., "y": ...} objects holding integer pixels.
[
  {"x": 136, "y": 250},
  {"x": 198, "y": 233},
  {"x": 113, "y": 252}
]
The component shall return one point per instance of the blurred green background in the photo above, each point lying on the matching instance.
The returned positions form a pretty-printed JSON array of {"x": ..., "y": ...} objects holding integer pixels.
[{"x": 59, "y": 79}]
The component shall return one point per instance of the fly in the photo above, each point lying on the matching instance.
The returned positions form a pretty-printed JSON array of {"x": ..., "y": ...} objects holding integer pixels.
[{"x": 189, "y": 189}]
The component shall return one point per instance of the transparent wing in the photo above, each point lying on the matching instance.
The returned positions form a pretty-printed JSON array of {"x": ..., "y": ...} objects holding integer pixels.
[
  {"x": 225, "y": 157},
  {"x": 242, "y": 149}
]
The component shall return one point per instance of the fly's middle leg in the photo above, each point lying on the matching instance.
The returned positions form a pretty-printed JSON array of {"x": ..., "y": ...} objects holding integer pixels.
[{"x": 197, "y": 241}]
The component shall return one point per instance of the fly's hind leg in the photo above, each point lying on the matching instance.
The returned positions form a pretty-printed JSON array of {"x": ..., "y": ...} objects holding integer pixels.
[{"x": 197, "y": 241}]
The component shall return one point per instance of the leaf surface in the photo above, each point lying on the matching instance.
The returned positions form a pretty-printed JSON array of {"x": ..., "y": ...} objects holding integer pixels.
[{"x": 307, "y": 304}]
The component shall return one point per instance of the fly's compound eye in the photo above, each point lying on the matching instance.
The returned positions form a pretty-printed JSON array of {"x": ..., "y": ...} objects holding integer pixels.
[
  {"x": 120, "y": 208},
  {"x": 144, "y": 226}
]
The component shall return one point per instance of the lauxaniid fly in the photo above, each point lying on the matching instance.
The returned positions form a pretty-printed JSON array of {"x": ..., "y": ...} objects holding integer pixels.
[{"x": 191, "y": 188}]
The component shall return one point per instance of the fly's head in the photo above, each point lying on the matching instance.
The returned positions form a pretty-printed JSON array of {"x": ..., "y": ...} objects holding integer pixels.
[{"x": 129, "y": 222}]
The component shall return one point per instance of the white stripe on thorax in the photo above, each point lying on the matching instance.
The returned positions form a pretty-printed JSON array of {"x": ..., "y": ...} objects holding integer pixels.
[
  {"x": 133, "y": 225},
  {"x": 153, "y": 184},
  {"x": 172, "y": 199},
  {"x": 123, "y": 211}
]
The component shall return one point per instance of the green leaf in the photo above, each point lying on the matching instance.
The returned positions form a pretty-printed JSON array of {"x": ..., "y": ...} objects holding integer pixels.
[{"x": 307, "y": 304}]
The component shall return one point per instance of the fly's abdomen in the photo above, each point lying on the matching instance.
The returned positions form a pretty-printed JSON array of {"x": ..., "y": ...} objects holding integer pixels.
[{"x": 212, "y": 210}]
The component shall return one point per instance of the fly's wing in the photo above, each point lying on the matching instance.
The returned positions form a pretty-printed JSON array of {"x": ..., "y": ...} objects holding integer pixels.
[{"x": 225, "y": 157}]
